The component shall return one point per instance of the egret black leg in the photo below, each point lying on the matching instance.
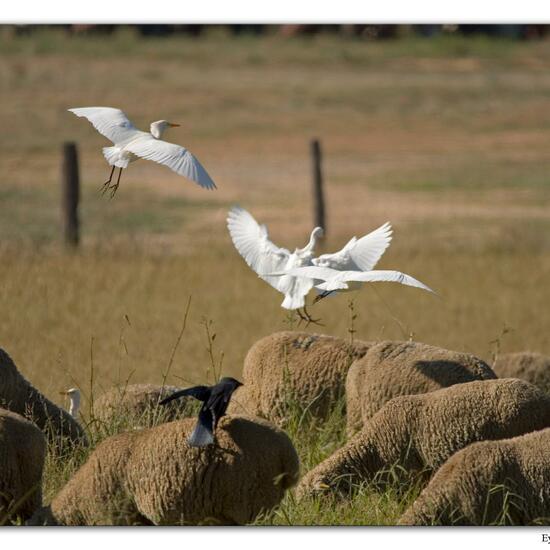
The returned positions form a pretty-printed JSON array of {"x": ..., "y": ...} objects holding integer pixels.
[
  {"x": 114, "y": 188},
  {"x": 323, "y": 295},
  {"x": 105, "y": 186},
  {"x": 301, "y": 316},
  {"x": 309, "y": 319}
]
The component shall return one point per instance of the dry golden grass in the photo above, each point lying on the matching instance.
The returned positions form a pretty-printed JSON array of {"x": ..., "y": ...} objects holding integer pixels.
[{"x": 448, "y": 140}]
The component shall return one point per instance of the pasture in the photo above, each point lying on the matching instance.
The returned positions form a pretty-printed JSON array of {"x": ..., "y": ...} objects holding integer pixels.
[{"x": 448, "y": 139}]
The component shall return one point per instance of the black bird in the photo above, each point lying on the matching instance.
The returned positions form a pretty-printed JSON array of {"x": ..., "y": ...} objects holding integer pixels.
[{"x": 215, "y": 401}]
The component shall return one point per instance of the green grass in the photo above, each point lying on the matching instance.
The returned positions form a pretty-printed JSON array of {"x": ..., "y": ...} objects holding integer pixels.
[{"x": 368, "y": 504}]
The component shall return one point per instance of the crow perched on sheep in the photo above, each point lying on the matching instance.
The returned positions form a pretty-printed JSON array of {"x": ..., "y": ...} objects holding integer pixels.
[{"x": 215, "y": 401}]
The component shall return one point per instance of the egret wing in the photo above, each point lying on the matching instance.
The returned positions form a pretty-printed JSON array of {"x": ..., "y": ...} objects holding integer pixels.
[
  {"x": 252, "y": 242},
  {"x": 176, "y": 157},
  {"x": 369, "y": 249},
  {"x": 311, "y": 272},
  {"x": 359, "y": 254},
  {"x": 382, "y": 276},
  {"x": 110, "y": 122}
]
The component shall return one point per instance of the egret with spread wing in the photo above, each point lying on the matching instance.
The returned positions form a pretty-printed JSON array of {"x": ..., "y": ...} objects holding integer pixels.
[
  {"x": 253, "y": 244},
  {"x": 329, "y": 280},
  {"x": 131, "y": 144}
]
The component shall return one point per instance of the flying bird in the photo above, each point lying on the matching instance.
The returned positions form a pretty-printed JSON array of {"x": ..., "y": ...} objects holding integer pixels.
[
  {"x": 351, "y": 266},
  {"x": 252, "y": 242},
  {"x": 131, "y": 144},
  {"x": 215, "y": 401},
  {"x": 328, "y": 280}
]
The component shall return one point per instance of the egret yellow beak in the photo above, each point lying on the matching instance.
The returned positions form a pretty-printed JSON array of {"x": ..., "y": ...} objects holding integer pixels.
[
  {"x": 172, "y": 125},
  {"x": 63, "y": 393}
]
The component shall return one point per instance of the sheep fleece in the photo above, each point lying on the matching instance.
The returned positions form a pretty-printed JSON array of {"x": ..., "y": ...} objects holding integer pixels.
[
  {"x": 486, "y": 480},
  {"x": 22, "y": 454},
  {"x": 136, "y": 400},
  {"x": 391, "y": 369},
  {"x": 533, "y": 367},
  {"x": 152, "y": 476},
  {"x": 18, "y": 395},
  {"x": 421, "y": 431},
  {"x": 310, "y": 367}
]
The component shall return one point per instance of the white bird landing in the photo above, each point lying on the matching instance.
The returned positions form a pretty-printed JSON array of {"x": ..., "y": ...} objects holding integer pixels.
[
  {"x": 253, "y": 244},
  {"x": 329, "y": 280},
  {"x": 131, "y": 144}
]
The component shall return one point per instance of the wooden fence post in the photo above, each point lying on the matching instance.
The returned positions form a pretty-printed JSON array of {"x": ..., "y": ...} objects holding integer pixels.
[
  {"x": 70, "y": 194},
  {"x": 318, "y": 197}
]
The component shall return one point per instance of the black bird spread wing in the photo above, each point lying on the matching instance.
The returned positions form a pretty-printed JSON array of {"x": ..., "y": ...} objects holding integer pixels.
[
  {"x": 202, "y": 393},
  {"x": 203, "y": 433}
]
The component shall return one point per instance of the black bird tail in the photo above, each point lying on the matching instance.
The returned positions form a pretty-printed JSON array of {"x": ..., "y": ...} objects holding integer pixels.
[
  {"x": 201, "y": 437},
  {"x": 202, "y": 434}
]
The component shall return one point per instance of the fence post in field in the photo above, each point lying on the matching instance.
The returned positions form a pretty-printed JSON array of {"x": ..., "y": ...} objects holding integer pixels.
[
  {"x": 318, "y": 197},
  {"x": 70, "y": 194}
]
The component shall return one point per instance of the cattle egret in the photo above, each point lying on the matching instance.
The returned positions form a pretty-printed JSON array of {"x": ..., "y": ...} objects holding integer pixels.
[
  {"x": 131, "y": 144},
  {"x": 74, "y": 397},
  {"x": 329, "y": 280},
  {"x": 253, "y": 244}
]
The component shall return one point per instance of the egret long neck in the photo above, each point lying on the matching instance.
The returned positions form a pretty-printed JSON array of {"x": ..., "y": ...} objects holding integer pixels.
[
  {"x": 75, "y": 405},
  {"x": 312, "y": 242}
]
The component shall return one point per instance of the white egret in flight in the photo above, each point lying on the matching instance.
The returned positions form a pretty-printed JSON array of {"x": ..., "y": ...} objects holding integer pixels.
[
  {"x": 131, "y": 144},
  {"x": 329, "y": 280},
  {"x": 253, "y": 244}
]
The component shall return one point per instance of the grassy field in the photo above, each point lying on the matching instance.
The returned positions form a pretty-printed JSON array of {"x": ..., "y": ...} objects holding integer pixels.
[{"x": 445, "y": 138}]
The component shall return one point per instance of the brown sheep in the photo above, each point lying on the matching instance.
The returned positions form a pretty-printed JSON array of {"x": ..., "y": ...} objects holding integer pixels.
[
  {"x": 419, "y": 432},
  {"x": 138, "y": 404},
  {"x": 22, "y": 454},
  {"x": 488, "y": 483},
  {"x": 18, "y": 395},
  {"x": 391, "y": 369},
  {"x": 153, "y": 476},
  {"x": 533, "y": 367},
  {"x": 306, "y": 369}
]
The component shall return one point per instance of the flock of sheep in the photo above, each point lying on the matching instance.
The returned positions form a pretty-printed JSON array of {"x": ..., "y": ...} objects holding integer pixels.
[{"x": 477, "y": 443}]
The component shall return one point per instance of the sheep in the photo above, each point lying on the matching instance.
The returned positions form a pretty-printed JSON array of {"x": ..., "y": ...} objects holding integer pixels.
[
  {"x": 490, "y": 482},
  {"x": 306, "y": 369},
  {"x": 419, "y": 432},
  {"x": 533, "y": 367},
  {"x": 22, "y": 454},
  {"x": 153, "y": 476},
  {"x": 391, "y": 369},
  {"x": 138, "y": 404},
  {"x": 18, "y": 395}
]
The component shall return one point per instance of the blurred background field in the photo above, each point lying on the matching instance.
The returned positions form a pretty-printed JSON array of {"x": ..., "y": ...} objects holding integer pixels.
[{"x": 445, "y": 136}]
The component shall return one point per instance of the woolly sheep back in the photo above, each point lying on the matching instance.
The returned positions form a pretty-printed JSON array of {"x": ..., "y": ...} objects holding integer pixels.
[
  {"x": 420, "y": 432},
  {"x": 152, "y": 476},
  {"x": 391, "y": 369},
  {"x": 533, "y": 367},
  {"x": 22, "y": 454},
  {"x": 18, "y": 395},
  {"x": 311, "y": 368},
  {"x": 491, "y": 482},
  {"x": 138, "y": 403}
]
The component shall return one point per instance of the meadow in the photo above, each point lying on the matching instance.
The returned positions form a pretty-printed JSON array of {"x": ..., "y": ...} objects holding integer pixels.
[{"x": 446, "y": 138}]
